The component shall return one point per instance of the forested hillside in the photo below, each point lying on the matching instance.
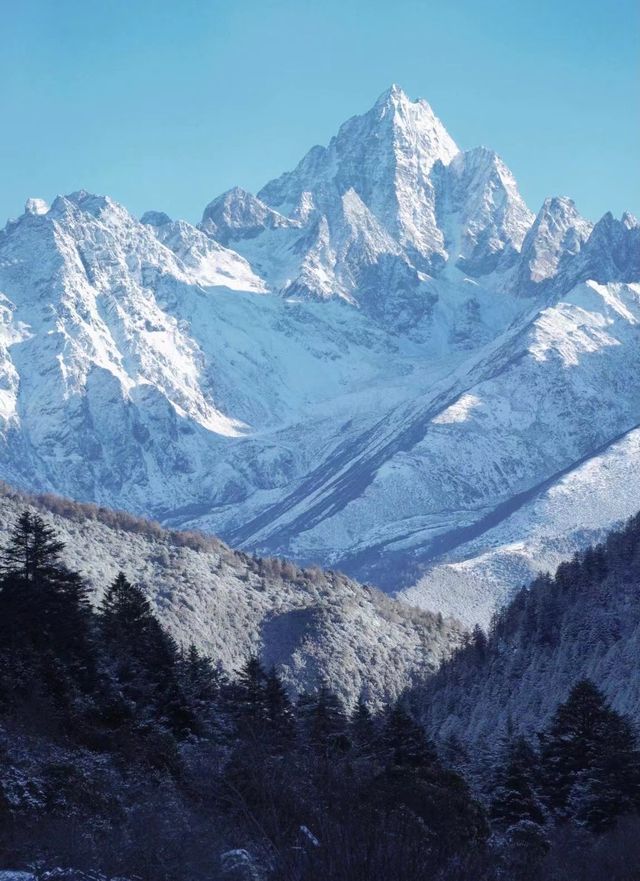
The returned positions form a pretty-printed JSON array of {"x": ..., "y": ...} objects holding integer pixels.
[
  {"x": 123, "y": 754},
  {"x": 311, "y": 623},
  {"x": 582, "y": 622}
]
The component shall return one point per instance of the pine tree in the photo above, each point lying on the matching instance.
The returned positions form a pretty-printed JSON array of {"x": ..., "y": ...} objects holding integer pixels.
[
  {"x": 323, "y": 721},
  {"x": 47, "y": 656},
  {"x": 129, "y": 624},
  {"x": 33, "y": 552},
  {"x": 248, "y": 696},
  {"x": 590, "y": 762},
  {"x": 404, "y": 741},
  {"x": 34, "y": 576},
  {"x": 200, "y": 685},
  {"x": 455, "y": 754},
  {"x": 145, "y": 657},
  {"x": 42, "y": 602},
  {"x": 568, "y": 746},
  {"x": 363, "y": 731},
  {"x": 279, "y": 715},
  {"x": 125, "y": 610},
  {"x": 480, "y": 643},
  {"x": 514, "y": 799},
  {"x": 609, "y": 787}
]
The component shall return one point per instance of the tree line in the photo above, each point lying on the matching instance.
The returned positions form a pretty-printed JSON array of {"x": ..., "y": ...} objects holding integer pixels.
[{"x": 124, "y": 753}]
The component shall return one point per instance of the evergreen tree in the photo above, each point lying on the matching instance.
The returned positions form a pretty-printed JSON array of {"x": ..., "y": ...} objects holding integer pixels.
[
  {"x": 455, "y": 754},
  {"x": 609, "y": 787},
  {"x": 144, "y": 655},
  {"x": 590, "y": 762},
  {"x": 404, "y": 742},
  {"x": 38, "y": 585},
  {"x": 129, "y": 624},
  {"x": 363, "y": 731},
  {"x": 248, "y": 696},
  {"x": 279, "y": 715},
  {"x": 44, "y": 613},
  {"x": 323, "y": 721},
  {"x": 479, "y": 643},
  {"x": 201, "y": 678},
  {"x": 126, "y": 612},
  {"x": 514, "y": 797},
  {"x": 33, "y": 552}
]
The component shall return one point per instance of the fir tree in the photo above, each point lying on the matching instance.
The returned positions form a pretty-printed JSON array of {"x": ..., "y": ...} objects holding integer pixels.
[
  {"x": 279, "y": 715},
  {"x": 248, "y": 695},
  {"x": 404, "y": 742},
  {"x": 590, "y": 762},
  {"x": 363, "y": 731},
  {"x": 125, "y": 610},
  {"x": 323, "y": 721},
  {"x": 33, "y": 552},
  {"x": 44, "y": 609},
  {"x": 145, "y": 657},
  {"x": 514, "y": 797}
]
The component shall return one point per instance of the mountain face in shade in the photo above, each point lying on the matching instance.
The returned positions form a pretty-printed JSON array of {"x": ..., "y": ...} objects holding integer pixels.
[{"x": 383, "y": 362}]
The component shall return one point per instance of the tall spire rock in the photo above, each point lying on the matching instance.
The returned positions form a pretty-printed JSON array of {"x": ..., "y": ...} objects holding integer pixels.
[
  {"x": 557, "y": 233},
  {"x": 481, "y": 211},
  {"x": 386, "y": 156},
  {"x": 429, "y": 203}
]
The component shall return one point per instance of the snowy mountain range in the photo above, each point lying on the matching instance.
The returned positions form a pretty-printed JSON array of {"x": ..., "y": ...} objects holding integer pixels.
[{"x": 384, "y": 362}]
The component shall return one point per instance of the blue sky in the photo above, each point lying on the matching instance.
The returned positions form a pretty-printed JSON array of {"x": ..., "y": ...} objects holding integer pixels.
[{"x": 165, "y": 105}]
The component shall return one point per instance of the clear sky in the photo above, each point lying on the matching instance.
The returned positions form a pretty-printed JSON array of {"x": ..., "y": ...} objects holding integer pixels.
[{"x": 166, "y": 104}]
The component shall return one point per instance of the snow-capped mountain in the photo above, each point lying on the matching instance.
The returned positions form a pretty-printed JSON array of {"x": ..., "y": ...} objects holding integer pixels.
[{"x": 383, "y": 361}]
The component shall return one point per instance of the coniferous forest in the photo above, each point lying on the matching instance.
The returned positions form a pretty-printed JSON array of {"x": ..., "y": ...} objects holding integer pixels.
[{"x": 124, "y": 755}]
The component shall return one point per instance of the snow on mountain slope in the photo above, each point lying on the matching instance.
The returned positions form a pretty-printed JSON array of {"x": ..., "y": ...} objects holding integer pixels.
[
  {"x": 483, "y": 212},
  {"x": 487, "y": 433},
  {"x": 386, "y": 156},
  {"x": 558, "y": 232},
  {"x": 368, "y": 364},
  {"x": 391, "y": 189},
  {"x": 207, "y": 262},
  {"x": 310, "y": 623},
  {"x": 537, "y": 532}
]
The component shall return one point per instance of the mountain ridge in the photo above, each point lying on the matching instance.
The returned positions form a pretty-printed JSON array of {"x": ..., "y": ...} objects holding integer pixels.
[
  {"x": 381, "y": 347},
  {"x": 314, "y": 625}
]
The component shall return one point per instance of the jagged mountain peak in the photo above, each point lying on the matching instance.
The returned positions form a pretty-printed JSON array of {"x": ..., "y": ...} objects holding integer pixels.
[
  {"x": 155, "y": 218},
  {"x": 481, "y": 210},
  {"x": 36, "y": 206},
  {"x": 393, "y": 93},
  {"x": 238, "y": 214},
  {"x": 557, "y": 234},
  {"x": 428, "y": 200},
  {"x": 395, "y": 143},
  {"x": 394, "y": 104},
  {"x": 558, "y": 204},
  {"x": 612, "y": 252},
  {"x": 83, "y": 200}
]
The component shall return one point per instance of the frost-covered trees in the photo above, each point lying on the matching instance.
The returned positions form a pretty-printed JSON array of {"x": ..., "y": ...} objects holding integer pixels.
[
  {"x": 514, "y": 798},
  {"x": 45, "y": 651},
  {"x": 584, "y": 622},
  {"x": 590, "y": 761},
  {"x": 123, "y": 753}
]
